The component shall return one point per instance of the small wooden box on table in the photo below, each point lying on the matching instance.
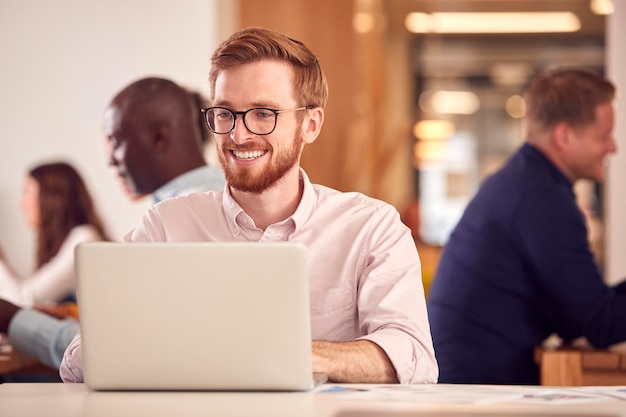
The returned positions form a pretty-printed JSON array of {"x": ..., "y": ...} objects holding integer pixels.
[{"x": 580, "y": 366}]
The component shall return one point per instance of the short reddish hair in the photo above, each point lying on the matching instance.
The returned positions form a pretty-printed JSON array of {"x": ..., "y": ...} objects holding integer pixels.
[
  {"x": 568, "y": 95},
  {"x": 254, "y": 44}
]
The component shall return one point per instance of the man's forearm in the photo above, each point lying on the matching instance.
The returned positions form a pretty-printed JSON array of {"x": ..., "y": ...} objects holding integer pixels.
[{"x": 360, "y": 361}]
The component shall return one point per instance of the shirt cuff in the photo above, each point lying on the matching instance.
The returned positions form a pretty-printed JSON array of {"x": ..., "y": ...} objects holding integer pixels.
[
  {"x": 42, "y": 336},
  {"x": 414, "y": 364}
]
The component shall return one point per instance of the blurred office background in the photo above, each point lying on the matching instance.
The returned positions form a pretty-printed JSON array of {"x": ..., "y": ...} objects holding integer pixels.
[{"x": 423, "y": 103}]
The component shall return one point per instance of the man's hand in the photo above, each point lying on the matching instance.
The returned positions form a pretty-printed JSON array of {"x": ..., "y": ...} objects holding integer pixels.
[
  {"x": 360, "y": 361},
  {"x": 7, "y": 311}
]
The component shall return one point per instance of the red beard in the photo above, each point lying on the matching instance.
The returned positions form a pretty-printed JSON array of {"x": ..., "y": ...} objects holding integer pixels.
[{"x": 243, "y": 179}]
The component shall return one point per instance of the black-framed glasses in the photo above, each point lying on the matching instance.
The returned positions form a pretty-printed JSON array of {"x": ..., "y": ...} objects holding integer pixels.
[{"x": 258, "y": 120}]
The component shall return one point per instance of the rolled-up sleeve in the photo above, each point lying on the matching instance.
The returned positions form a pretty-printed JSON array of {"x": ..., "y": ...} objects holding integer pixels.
[
  {"x": 392, "y": 304},
  {"x": 71, "y": 369}
]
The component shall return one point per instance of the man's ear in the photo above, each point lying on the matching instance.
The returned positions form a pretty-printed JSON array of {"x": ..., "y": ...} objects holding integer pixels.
[
  {"x": 312, "y": 124},
  {"x": 160, "y": 134},
  {"x": 560, "y": 136}
]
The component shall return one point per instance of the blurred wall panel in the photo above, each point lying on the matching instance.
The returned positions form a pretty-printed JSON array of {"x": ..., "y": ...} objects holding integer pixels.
[
  {"x": 363, "y": 145},
  {"x": 616, "y": 190}
]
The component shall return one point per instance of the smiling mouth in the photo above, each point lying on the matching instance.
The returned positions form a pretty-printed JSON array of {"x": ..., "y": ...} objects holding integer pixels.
[{"x": 248, "y": 155}]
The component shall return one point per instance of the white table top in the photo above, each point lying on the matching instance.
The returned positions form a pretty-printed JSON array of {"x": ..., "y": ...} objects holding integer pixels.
[{"x": 69, "y": 400}]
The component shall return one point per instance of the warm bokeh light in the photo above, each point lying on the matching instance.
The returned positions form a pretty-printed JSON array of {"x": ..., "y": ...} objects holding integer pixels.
[
  {"x": 602, "y": 7},
  {"x": 516, "y": 107},
  {"x": 510, "y": 73},
  {"x": 455, "y": 102},
  {"x": 492, "y": 22},
  {"x": 433, "y": 130},
  {"x": 427, "y": 150},
  {"x": 363, "y": 22}
]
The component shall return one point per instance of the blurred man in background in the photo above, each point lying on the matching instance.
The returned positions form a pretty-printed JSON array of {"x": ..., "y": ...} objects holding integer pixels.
[{"x": 518, "y": 266}]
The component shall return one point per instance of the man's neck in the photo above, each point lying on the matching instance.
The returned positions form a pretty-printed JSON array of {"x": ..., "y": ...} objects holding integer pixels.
[
  {"x": 554, "y": 156},
  {"x": 274, "y": 204}
]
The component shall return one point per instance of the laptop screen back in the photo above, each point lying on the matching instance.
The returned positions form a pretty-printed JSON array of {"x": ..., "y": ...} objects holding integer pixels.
[{"x": 194, "y": 316}]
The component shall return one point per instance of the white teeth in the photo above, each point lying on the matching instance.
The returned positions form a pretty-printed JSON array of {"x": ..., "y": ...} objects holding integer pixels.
[{"x": 248, "y": 154}]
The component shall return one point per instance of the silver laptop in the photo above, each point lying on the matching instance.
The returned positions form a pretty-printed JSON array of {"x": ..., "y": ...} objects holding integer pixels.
[{"x": 195, "y": 316}]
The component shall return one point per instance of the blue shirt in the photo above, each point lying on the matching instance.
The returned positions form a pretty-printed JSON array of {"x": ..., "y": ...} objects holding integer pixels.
[
  {"x": 516, "y": 269},
  {"x": 197, "y": 180}
]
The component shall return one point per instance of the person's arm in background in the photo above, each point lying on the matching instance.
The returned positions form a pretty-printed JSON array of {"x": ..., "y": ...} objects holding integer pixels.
[
  {"x": 9, "y": 282},
  {"x": 54, "y": 280},
  {"x": 36, "y": 333}
]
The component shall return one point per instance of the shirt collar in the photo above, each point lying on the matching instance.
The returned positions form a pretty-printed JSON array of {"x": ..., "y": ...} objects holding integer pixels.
[{"x": 307, "y": 202}]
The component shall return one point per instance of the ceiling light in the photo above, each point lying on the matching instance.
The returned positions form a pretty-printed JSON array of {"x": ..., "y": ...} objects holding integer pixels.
[
  {"x": 602, "y": 7},
  {"x": 492, "y": 22}
]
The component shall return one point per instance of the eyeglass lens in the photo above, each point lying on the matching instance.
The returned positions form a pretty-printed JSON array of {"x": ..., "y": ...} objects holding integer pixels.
[{"x": 258, "y": 121}]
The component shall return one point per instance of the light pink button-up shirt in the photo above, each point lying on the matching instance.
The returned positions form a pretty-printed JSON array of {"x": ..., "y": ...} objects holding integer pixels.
[{"x": 364, "y": 270}]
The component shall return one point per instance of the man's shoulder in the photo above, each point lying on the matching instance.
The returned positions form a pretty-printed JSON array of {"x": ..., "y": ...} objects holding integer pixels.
[
  {"x": 520, "y": 176},
  {"x": 515, "y": 189},
  {"x": 352, "y": 206},
  {"x": 327, "y": 195}
]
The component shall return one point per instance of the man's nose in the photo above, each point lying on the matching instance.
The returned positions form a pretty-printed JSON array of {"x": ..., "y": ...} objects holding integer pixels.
[{"x": 240, "y": 132}]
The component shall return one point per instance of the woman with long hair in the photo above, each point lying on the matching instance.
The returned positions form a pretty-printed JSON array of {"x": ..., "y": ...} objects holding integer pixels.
[{"x": 58, "y": 206}]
